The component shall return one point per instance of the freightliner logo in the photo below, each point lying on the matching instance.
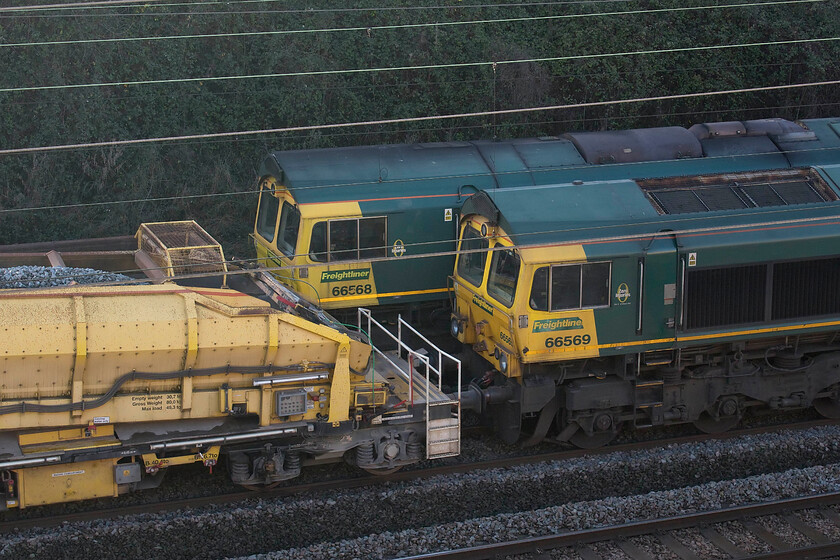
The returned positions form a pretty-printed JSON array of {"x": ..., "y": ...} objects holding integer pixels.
[
  {"x": 345, "y": 275},
  {"x": 565, "y": 324},
  {"x": 479, "y": 302}
]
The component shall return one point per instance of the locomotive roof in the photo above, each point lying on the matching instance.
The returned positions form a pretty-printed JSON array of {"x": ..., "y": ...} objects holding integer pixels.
[
  {"x": 605, "y": 210},
  {"x": 368, "y": 172},
  {"x": 328, "y": 174}
]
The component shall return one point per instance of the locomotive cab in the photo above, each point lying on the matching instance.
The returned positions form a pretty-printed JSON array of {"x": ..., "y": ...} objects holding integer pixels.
[
  {"x": 317, "y": 250},
  {"x": 530, "y": 313}
]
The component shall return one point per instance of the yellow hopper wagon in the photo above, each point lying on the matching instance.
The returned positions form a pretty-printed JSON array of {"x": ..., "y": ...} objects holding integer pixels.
[{"x": 105, "y": 386}]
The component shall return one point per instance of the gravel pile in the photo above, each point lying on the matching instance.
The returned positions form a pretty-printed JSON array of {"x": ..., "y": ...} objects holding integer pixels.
[
  {"x": 44, "y": 276},
  {"x": 466, "y": 509}
]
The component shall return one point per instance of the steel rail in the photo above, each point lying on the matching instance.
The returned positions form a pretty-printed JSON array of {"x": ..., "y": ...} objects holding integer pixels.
[
  {"x": 11, "y": 522},
  {"x": 652, "y": 526}
]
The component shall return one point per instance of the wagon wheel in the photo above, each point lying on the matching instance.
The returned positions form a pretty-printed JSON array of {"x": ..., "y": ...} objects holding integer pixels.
[
  {"x": 828, "y": 407},
  {"x": 708, "y": 424}
]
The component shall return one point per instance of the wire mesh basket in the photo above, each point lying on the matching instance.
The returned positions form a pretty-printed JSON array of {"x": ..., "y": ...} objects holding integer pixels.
[{"x": 180, "y": 248}]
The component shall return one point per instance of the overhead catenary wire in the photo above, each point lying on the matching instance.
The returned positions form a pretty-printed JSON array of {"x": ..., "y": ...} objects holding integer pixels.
[
  {"x": 257, "y": 190},
  {"x": 450, "y": 116},
  {"x": 454, "y": 65},
  {"x": 373, "y": 28},
  {"x": 106, "y": 4},
  {"x": 333, "y": 85},
  {"x": 82, "y": 205},
  {"x": 584, "y": 239},
  {"x": 76, "y": 5}
]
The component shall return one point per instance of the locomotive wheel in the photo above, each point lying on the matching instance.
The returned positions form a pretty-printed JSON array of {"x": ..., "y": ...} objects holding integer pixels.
[
  {"x": 260, "y": 487},
  {"x": 710, "y": 425},
  {"x": 827, "y": 407},
  {"x": 382, "y": 472},
  {"x": 585, "y": 441},
  {"x": 605, "y": 432}
]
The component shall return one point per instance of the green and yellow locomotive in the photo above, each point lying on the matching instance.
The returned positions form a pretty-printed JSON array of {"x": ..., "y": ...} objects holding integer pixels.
[
  {"x": 375, "y": 226},
  {"x": 652, "y": 301},
  {"x": 638, "y": 277}
]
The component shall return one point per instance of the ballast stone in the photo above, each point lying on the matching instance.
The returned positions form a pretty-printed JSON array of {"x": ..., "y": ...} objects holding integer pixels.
[{"x": 47, "y": 277}]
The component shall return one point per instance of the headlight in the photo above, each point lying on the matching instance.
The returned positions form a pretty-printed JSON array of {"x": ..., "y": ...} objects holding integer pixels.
[
  {"x": 455, "y": 327},
  {"x": 503, "y": 362}
]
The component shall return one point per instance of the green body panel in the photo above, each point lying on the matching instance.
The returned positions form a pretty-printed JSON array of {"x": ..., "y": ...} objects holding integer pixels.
[
  {"x": 659, "y": 300},
  {"x": 647, "y": 278},
  {"x": 420, "y": 232},
  {"x": 616, "y": 323}
]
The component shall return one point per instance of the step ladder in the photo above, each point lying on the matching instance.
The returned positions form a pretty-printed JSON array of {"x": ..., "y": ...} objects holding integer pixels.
[
  {"x": 648, "y": 396},
  {"x": 443, "y": 435},
  {"x": 443, "y": 412}
]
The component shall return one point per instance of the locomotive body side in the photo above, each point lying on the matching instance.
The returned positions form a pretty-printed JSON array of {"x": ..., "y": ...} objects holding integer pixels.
[{"x": 628, "y": 303}]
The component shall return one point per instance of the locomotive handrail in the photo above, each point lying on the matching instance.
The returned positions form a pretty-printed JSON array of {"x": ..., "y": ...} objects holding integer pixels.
[{"x": 440, "y": 353}]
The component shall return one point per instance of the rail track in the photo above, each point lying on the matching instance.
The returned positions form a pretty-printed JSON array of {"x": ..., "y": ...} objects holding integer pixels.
[
  {"x": 818, "y": 544},
  {"x": 13, "y": 523}
]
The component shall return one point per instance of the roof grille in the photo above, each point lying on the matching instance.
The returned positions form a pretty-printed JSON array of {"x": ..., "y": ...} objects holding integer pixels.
[{"x": 734, "y": 191}]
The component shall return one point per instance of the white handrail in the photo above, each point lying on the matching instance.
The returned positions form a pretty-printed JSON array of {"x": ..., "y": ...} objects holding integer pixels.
[
  {"x": 411, "y": 364},
  {"x": 363, "y": 312}
]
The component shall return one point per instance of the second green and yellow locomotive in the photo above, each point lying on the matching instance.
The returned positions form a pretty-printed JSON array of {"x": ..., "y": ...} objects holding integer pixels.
[{"x": 634, "y": 302}]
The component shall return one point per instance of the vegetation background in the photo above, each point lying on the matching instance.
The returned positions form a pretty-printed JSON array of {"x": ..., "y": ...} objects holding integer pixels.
[{"x": 94, "y": 192}]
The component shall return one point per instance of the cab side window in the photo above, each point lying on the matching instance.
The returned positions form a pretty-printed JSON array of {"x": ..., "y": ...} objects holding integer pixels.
[
  {"x": 373, "y": 238},
  {"x": 471, "y": 265},
  {"x": 267, "y": 217},
  {"x": 349, "y": 240},
  {"x": 595, "y": 285},
  {"x": 504, "y": 272},
  {"x": 575, "y": 286},
  {"x": 289, "y": 225},
  {"x": 565, "y": 287},
  {"x": 344, "y": 240},
  {"x": 318, "y": 244},
  {"x": 539, "y": 290}
]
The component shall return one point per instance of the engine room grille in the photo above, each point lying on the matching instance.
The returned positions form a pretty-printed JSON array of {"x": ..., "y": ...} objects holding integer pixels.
[
  {"x": 725, "y": 296},
  {"x": 734, "y": 191},
  {"x": 806, "y": 288},
  {"x": 717, "y": 297}
]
